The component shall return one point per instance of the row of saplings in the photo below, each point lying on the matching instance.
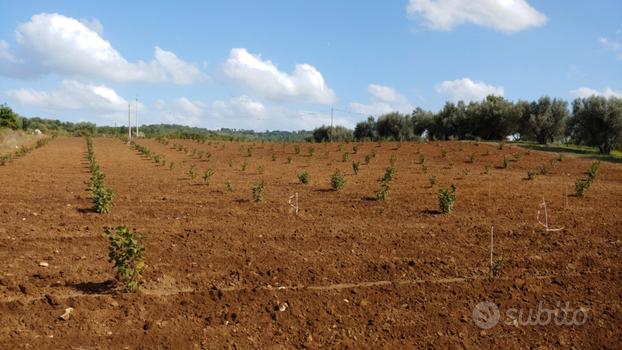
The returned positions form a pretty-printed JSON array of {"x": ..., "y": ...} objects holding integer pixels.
[
  {"x": 102, "y": 196},
  {"x": 22, "y": 151},
  {"x": 447, "y": 196},
  {"x": 124, "y": 248}
]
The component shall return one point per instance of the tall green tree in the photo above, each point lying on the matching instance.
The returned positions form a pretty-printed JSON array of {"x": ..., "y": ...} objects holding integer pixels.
[
  {"x": 597, "y": 121},
  {"x": 394, "y": 126},
  {"x": 545, "y": 120},
  {"x": 8, "y": 118},
  {"x": 366, "y": 130}
]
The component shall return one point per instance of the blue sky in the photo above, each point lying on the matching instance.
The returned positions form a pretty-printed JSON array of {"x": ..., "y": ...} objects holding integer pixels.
[{"x": 284, "y": 64}]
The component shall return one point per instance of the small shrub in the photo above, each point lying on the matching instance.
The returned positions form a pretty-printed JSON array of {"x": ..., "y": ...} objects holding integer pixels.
[
  {"x": 497, "y": 266},
  {"x": 127, "y": 254},
  {"x": 443, "y": 153},
  {"x": 245, "y": 165},
  {"x": 447, "y": 199},
  {"x": 273, "y": 157},
  {"x": 593, "y": 170},
  {"x": 355, "y": 149},
  {"x": 356, "y": 165},
  {"x": 304, "y": 178},
  {"x": 297, "y": 149},
  {"x": 581, "y": 186},
  {"x": 368, "y": 158},
  {"x": 389, "y": 173},
  {"x": 422, "y": 159},
  {"x": 337, "y": 181},
  {"x": 311, "y": 151},
  {"x": 531, "y": 175},
  {"x": 432, "y": 180},
  {"x": 504, "y": 163},
  {"x": 465, "y": 172},
  {"x": 258, "y": 191},
  {"x": 289, "y": 159},
  {"x": 543, "y": 169},
  {"x": 345, "y": 157},
  {"x": 207, "y": 175},
  {"x": 383, "y": 192},
  {"x": 171, "y": 165},
  {"x": 102, "y": 199},
  {"x": 229, "y": 185},
  {"x": 193, "y": 171},
  {"x": 424, "y": 168}
]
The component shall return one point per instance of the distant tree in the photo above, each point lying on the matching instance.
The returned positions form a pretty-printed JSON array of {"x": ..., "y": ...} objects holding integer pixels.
[
  {"x": 597, "y": 121},
  {"x": 453, "y": 122},
  {"x": 8, "y": 118},
  {"x": 366, "y": 130},
  {"x": 422, "y": 122},
  {"x": 544, "y": 120},
  {"x": 84, "y": 129},
  {"x": 327, "y": 133},
  {"x": 394, "y": 126},
  {"x": 494, "y": 118}
]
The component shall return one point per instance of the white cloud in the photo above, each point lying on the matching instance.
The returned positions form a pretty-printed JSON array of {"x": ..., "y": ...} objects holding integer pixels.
[
  {"x": 72, "y": 95},
  {"x": 467, "y": 90},
  {"x": 305, "y": 84},
  {"x": 587, "y": 92},
  {"x": 613, "y": 45},
  {"x": 180, "y": 72},
  {"x": 504, "y": 15},
  {"x": 53, "y": 43},
  {"x": 384, "y": 93},
  {"x": 385, "y": 99},
  {"x": 241, "y": 112}
]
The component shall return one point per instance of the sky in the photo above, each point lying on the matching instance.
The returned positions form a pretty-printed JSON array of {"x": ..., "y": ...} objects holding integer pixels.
[{"x": 283, "y": 65}]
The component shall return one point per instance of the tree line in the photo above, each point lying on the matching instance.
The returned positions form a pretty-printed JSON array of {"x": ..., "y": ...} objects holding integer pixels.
[
  {"x": 10, "y": 119},
  {"x": 593, "y": 121}
]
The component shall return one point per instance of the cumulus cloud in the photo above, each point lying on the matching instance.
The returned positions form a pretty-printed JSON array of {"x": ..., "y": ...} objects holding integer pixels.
[
  {"x": 72, "y": 95},
  {"x": 384, "y": 99},
  {"x": 305, "y": 84},
  {"x": 504, "y": 15},
  {"x": 467, "y": 90},
  {"x": 53, "y": 43},
  {"x": 613, "y": 45},
  {"x": 587, "y": 92}
]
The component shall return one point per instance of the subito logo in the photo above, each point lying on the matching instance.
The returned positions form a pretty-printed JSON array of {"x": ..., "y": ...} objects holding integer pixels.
[{"x": 486, "y": 315}]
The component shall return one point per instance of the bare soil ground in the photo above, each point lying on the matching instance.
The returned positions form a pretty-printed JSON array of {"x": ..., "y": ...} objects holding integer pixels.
[{"x": 346, "y": 272}]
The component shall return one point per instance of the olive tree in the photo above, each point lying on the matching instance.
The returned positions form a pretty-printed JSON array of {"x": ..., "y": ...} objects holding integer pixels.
[{"x": 597, "y": 121}]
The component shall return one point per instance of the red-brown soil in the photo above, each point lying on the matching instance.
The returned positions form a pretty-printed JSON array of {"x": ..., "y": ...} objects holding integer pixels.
[{"x": 348, "y": 271}]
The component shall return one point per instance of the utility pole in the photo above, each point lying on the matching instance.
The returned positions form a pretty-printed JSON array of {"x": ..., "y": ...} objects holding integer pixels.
[
  {"x": 136, "y": 116},
  {"x": 330, "y": 134},
  {"x": 129, "y": 123}
]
